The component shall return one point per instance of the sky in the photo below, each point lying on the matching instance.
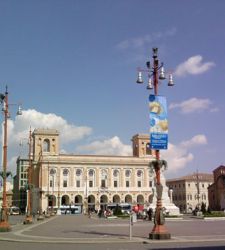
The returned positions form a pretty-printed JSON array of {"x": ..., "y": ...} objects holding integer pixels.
[{"x": 73, "y": 66}]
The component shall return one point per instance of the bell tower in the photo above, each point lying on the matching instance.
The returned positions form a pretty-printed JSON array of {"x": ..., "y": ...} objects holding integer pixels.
[
  {"x": 141, "y": 145},
  {"x": 45, "y": 142}
]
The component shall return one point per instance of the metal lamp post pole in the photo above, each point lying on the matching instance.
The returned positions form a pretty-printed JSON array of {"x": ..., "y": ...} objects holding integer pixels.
[
  {"x": 40, "y": 160},
  {"x": 4, "y": 225},
  {"x": 28, "y": 219},
  {"x": 159, "y": 231}
]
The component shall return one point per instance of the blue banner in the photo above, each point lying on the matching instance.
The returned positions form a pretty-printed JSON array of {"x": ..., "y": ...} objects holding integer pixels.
[{"x": 158, "y": 122}]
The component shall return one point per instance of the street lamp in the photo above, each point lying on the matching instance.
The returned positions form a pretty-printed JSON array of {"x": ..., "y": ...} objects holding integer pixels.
[
  {"x": 40, "y": 160},
  {"x": 4, "y": 224},
  {"x": 155, "y": 73},
  {"x": 28, "y": 219}
]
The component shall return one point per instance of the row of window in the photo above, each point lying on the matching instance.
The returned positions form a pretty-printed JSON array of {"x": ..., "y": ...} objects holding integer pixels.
[
  {"x": 189, "y": 197},
  {"x": 103, "y": 183},
  {"x": 91, "y": 178},
  {"x": 203, "y": 185},
  {"x": 91, "y": 172}
]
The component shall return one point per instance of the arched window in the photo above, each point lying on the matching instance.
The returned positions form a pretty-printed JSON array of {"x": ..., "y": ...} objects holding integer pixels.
[
  {"x": 46, "y": 145},
  {"x": 65, "y": 172},
  {"x": 115, "y": 173},
  {"x": 128, "y": 173},
  {"x": 78, "y": 172},
  {"x": 91, "y": 172}
]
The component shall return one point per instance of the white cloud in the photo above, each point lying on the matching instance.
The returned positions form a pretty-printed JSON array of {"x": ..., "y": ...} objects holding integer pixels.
[
  {"x": 178, "y": 156},
  {"x": 19, "y": 129},
  {"x": 193, "y": 105},
  {"x": 112, "y": 146},
  {"x": 139, "y": 42},
  {"x": 195, "y": 141},
  {"x": 35, "y": 119},
  {"x": 193, "y": 66}
]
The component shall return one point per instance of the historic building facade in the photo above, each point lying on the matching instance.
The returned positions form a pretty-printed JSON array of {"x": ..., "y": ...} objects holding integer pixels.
[
  {"x": 90, "y": 181},
  {"x": 217, "y": 189},
  {"x": 190, "y": 191}
]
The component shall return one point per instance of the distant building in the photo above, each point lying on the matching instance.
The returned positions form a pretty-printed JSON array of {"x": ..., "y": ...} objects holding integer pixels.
[
  {"x": 190, "y": 191},
  {"x": 20, "y": 184},
  {"x": 217, "y": 189}
]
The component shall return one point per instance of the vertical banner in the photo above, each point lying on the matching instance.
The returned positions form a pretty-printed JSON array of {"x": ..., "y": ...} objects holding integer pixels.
[{"x": 158, "y": 122}]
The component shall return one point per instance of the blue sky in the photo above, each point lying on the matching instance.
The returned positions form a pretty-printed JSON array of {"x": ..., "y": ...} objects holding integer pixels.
[{"x": 73, "y": 65}]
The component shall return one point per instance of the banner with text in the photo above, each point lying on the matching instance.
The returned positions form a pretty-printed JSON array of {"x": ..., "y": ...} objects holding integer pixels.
[{"x": 158, "y": 122}]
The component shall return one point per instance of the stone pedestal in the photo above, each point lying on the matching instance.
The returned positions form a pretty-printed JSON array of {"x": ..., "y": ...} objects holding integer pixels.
[{"x": 167, "y": 202}]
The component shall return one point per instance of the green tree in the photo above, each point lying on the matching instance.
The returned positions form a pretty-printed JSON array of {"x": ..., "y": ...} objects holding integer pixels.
[
  {"x": 203, "y": 208},
  {"x": 117, "y": 211}
]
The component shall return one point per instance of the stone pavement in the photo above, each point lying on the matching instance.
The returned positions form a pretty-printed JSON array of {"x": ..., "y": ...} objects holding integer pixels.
[{"x": 81, "y": 229}]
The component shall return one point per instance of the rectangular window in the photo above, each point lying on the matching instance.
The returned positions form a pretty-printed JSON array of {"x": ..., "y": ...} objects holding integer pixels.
[
  {"x": 50, "y": 183},
  {"x": 64, "y": 183},
  {"x": 115, "y": 184},
  {"x": 127, "y": 184},
  {"x": 139, "y": 184},
  {"x": 150, "y": 183},
  {"x": 103, "y": 183},
  {"x": 78, "y": 183},
  {"x": 90, "y": 184}
]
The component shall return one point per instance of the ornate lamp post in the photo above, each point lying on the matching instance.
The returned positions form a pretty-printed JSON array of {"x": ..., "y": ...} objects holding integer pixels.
[
  {"x": 40, "y": 161},
  {"x": 28, "y": 219},
  {"x": 4, "y": 224},
  {"x": 157, "y": 72}
]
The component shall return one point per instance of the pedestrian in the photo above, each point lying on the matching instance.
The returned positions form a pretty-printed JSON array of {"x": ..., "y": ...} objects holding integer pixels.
[{"x": 150, "y": 211}]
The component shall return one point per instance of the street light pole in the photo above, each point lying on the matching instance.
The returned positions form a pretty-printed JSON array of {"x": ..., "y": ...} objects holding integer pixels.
[
  {"x": 4, "y": 224},
  {"x": 159, "y": 231},
  {"x": 28, "y": 219},
  {"x": 40, "y": 161}
]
